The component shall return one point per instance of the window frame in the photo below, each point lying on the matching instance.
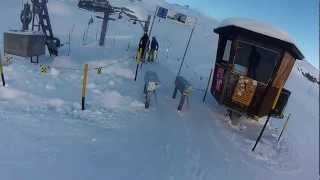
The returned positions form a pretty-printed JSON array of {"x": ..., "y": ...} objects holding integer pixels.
[{"x": 258, "y": 45}]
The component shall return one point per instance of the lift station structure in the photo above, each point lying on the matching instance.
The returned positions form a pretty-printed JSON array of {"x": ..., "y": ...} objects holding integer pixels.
[{"x": 103, "y": 6}]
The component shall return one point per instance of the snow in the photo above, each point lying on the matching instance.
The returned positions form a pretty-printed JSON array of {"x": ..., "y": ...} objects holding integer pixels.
[
  {"x": 45, "y": 135},
  {"x": 122, "y": 72},
  {"x": 27, "y": 33},
  {"x": 113, "y": 99},
  {"x": 58, "y": 8},
  {"x": 259, "y": 27}
]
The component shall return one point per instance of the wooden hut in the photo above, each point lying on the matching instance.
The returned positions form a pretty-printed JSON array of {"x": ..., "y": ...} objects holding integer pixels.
[{"x": 252, "y": 65}]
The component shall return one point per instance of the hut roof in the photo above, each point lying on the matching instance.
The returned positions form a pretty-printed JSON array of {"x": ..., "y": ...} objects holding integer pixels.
[{"x": 260, "y": 29}]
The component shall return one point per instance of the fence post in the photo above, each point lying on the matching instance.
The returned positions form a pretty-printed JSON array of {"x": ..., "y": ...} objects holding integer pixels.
[{"x": 84, "y": 85}]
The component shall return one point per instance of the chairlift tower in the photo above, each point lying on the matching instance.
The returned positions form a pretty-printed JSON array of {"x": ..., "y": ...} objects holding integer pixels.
[
  {"x": 41, "y": 21},
  {"x": 103, "y": 6},
  {"x": 106, "y": 17}
]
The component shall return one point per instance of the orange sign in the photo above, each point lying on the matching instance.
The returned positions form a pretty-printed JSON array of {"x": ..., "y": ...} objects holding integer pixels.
[{"x": 244, "y": 90}]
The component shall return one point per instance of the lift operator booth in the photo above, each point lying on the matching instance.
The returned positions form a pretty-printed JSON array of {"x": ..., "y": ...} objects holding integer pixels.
[{"x": 253, "y": 63}]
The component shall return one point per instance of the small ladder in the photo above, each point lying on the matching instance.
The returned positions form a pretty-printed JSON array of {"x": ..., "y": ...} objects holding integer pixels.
[{"x": 41, "y": 15}]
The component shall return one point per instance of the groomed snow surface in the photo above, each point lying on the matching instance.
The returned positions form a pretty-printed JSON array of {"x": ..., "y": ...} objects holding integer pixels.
[{"x": 45, "y": 135}]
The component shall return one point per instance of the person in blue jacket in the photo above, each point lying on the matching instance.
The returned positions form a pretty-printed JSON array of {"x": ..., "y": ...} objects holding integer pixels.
[{"x": 153, "y": 49}]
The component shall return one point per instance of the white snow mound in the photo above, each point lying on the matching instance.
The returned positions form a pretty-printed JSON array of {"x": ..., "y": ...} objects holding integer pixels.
[{"x": 259, "y": 27}]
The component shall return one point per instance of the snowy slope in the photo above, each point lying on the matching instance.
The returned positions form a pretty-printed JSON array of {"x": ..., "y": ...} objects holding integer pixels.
[{"x": 45, "y": 135}]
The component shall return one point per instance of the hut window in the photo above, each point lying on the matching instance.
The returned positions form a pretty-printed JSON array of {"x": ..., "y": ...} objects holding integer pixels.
[
  {"x": 254, "y": 61},
  {"x": 227, "y": 50}
]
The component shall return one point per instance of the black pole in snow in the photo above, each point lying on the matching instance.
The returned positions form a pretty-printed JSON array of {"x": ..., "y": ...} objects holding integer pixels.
[
  {"x": 284, "y": 127},
  {"x": 205, "y": 94},
  {"x": 3, "y": 81},
  {"x": 135, "y": 76},
  {"x": 104, "y": 27},
  {"x": 1, "y": 72},
  {"x": 261, "y": 133},
  {"x": 186, "y": 50},
  {"x": 153, "y": 20}
]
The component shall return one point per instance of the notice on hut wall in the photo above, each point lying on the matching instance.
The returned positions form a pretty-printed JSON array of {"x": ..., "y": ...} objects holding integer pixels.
[
  {"x": 244, "y": 90},
  {"x": 219, "y": 79}
]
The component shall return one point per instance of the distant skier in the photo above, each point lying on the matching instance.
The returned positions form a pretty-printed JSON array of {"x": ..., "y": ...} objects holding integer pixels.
[
  {"x": 153, "y": 49},
  {"x": 143, "y": 44},
  {"x": 26, "y": 16}
]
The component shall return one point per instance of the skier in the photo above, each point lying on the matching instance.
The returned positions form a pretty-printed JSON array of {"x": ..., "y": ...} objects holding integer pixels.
[
  {"x": 144, "y": 41},
  {"x": 153, "y": 49},
  {"x": 26, "y": 16}
]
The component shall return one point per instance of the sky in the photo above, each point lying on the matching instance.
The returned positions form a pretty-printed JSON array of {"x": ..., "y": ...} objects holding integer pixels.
[{"x": 299, "y": 18}]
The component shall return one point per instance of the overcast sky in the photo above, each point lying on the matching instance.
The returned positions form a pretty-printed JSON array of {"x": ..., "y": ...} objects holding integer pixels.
[{"x": 298, "y": 17}]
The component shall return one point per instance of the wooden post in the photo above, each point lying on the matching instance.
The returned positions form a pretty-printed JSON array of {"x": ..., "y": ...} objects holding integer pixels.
[
  {"x": 84, "y": 85},
  {"x": 261, "y": 133},
  {"x": 284, "y": 127},
  {"x": 205, "y": 94}
]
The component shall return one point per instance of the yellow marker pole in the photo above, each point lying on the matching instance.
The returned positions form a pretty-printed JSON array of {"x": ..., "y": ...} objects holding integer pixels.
[
  {"x": 2, "y": 76},
  {"x": 84, "y": 84},
  {"x": 277, "y": 98}
]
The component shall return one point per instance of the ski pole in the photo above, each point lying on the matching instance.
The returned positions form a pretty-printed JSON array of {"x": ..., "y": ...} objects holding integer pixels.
[
  {"x": 1, "y": 71},
  {"x": 205, "y": 94},
  {"x": 261, "y": 133},
  {"x": 139, "y": 62},
  {"x": 135, "y": 76},
  {"x": 2, "y": 76},
  {"x": 284, "y": 127}
]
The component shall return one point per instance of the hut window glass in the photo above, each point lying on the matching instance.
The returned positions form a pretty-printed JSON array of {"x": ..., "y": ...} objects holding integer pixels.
[
  {"x": 227, "y": 50},
  {"x": 256, "y": 62}
]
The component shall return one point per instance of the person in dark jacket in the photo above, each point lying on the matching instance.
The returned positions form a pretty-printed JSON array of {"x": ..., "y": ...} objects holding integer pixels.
[
  {"x": 26, "y": 16},
  {"x": 144, "y": 41},
  {"x": 153, "y": 49},
  {"x": 254, "y": 61}
]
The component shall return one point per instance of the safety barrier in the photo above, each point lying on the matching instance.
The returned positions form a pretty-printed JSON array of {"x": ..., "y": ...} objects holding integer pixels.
[{"x": 45, "y": 69}]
